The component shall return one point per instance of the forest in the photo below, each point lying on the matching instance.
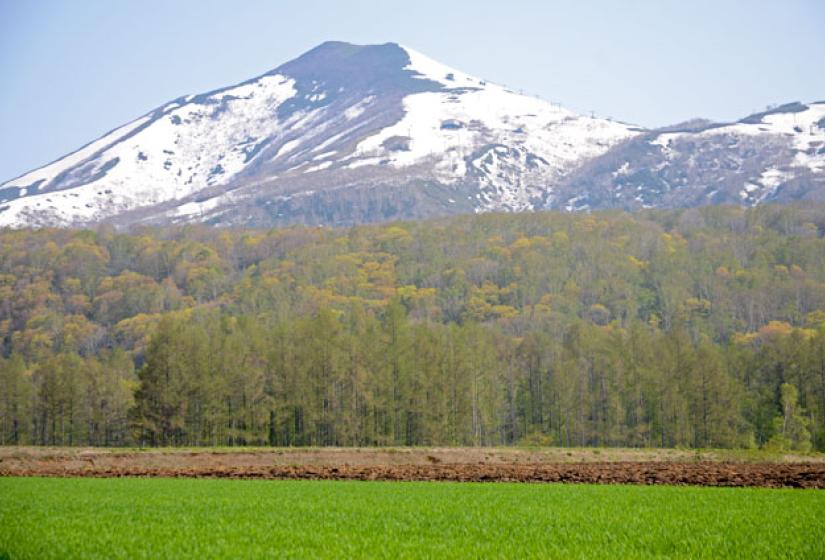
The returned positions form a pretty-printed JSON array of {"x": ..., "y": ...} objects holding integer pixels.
[{"x": 701, "y": 328}]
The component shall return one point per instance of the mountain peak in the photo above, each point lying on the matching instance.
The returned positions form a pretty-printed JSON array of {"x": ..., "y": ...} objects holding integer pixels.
[
  {"x": 346, "y": 64},
  {"x": 344, "y": 52},
  {"x": 345, "y": 48}
]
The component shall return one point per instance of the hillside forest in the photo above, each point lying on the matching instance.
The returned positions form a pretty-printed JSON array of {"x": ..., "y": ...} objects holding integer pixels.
[{"x": 697, "y": 328}]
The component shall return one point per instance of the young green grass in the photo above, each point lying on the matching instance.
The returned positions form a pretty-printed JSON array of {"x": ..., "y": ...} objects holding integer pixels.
[{"x": 180, "y": 518}]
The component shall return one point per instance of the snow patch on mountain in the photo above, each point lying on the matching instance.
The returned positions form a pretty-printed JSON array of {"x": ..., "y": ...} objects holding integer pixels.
[
  {"x": 762, "y": 188},
  {"x": 186, "y": 148},
  {"x": 429, "y": 69},
  {"x": 449, "y": 127},
  {"x": 40, "y": 178},
  {"x": 803, "y": 124}
]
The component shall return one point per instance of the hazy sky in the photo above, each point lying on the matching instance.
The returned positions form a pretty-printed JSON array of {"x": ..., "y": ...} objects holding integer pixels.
[{"x": 72, "y": 70}]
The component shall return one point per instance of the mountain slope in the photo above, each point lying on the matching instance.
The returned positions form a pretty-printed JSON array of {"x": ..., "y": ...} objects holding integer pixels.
[
  {"x": 344, "y": 133},
  {"x": 350, "y": 134},
  {"x": 774, "y": 156}
]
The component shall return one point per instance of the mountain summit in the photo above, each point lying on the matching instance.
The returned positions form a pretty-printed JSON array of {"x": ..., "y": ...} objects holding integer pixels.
[{"x": 348, "y": 133}]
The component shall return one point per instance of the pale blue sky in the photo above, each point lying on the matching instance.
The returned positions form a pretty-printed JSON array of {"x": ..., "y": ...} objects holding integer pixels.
[{"x": 72, "y": 70}]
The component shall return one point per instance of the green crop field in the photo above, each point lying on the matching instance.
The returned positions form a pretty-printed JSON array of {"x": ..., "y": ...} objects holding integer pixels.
[{"x": 173, "y": 518}]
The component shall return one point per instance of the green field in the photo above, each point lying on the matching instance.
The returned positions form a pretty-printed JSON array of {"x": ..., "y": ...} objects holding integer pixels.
[{"x": 173, "y": 518}]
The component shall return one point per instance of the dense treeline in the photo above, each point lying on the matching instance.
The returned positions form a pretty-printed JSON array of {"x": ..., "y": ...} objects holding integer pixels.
[{"x": 700, "y": 328}]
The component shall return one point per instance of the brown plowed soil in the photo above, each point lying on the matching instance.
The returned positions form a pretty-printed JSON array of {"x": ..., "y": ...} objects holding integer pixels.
[
  {"x": 704, "y": 474},
  {"x": 421, "y": 465}
]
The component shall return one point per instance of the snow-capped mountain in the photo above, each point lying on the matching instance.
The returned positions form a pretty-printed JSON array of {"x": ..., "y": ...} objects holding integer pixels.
[
  {"x": 774, "y": 156},
  {"x": 342, "y": 134},
  {"x": 347, "y": 134}
]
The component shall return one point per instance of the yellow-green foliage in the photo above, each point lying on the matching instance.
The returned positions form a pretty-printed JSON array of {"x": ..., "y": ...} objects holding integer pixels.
[{"x": 661, "y": 328}]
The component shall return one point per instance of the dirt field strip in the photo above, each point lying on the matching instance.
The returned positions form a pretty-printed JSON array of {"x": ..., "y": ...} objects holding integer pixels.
[
  {"x": 677, "y": 467},
  {"x": 702, "y": 474}
]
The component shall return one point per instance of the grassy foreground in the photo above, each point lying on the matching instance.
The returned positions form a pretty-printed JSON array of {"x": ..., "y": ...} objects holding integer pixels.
[{"x": 174, "y": 518}]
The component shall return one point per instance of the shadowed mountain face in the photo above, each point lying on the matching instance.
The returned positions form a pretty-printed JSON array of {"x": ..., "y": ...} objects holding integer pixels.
[
  {"x": 347, "y": 134},
  {"x": 353, "y": 70}
]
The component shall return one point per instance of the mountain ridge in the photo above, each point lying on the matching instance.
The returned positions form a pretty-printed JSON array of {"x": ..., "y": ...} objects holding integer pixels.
[{"x": 347, "y": 134}]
